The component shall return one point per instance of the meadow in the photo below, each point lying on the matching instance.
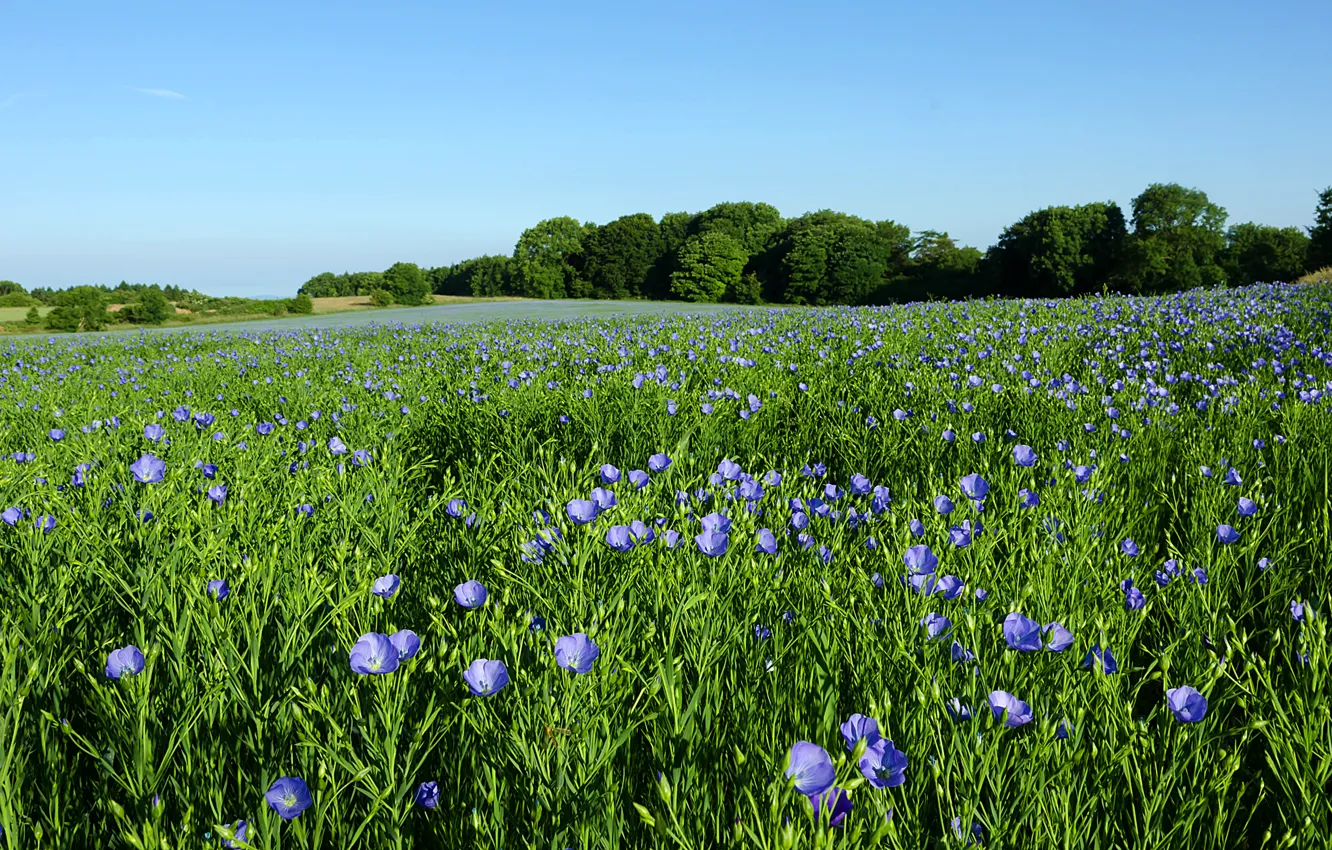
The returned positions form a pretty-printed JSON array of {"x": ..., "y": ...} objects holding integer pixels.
[{"x": 1001, "y": 574}]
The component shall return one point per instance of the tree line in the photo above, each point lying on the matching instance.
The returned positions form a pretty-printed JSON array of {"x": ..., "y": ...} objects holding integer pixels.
[{"x": 1174, "y": 238}]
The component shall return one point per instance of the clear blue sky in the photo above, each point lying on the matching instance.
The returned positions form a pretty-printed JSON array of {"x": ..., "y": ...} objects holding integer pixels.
[{"x": 242, "y": 148}]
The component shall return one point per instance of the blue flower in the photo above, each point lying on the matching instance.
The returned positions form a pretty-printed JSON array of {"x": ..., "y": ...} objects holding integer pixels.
[
  {"x": 126, "y": 661},
  {"x": 811, "y": 768},
  {"x": 619, "y": 538},
  {"x": 471, "y": 594},
  {"x": 485, "y": 677},
  {"x": 883, "y": 765},
  {"x": 576, "y": 652},
  {"x": 712, "y": 543},
  {"x": 427, "y": 795},
  {"x": 374, "y": 654},
  {"x": 1022, "y": 633},
  {"x": 767, "y": 542},
  {"x": 385, "y": 586},
  {"x": 936, "y": 625},
  {"x": 289, "y": 796}
]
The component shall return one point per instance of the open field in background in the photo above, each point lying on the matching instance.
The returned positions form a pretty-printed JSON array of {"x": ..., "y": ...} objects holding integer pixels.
[
  {"x": 13, "y": 315},
  {"x": 1017, "y": 574},
  {"x": 445, "y": 310}
]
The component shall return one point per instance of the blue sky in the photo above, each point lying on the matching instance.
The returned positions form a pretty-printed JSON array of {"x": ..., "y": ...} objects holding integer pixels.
[{"x": 241, "y": 148}]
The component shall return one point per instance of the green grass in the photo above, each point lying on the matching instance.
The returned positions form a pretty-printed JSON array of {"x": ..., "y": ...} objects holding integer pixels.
[{"x": 678, "y": 735}]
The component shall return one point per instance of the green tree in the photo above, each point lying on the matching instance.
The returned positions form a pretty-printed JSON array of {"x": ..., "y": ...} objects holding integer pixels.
[
  {"x": 33, "y": 317},
  {"x": 750, "y": 225},
  {"x": 1059, "y": 251},
  {"x": 542, "y": 267},
  {"x": 618, "y": 257},
  {"x": 152, "y": 308},
  {"x": 709, "y": 264},
  {"x": 748, "y": 290},
  {"x": 1178, "y": 238},
  {"x": 326, "y": 285},
  {"x": 1320, "y": 235},
  {"x": 407, "y": 284},
  {"x": 302, "y": 304},
  {"x": 80, "y": 308},
  {"x": 675, "y": 228},
  {"x": 1257, "y": 253},
  {"x": 939, "y": 268},
  {"x": 9, "y": 287},
  {"x": 827, "y": 257},
  {"x": 381, "y": 298}
]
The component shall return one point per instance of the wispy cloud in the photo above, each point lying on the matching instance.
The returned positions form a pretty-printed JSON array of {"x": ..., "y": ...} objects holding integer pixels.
[
  {"x": 15, "y": 98},
  {"x": 174, "y": 95}
]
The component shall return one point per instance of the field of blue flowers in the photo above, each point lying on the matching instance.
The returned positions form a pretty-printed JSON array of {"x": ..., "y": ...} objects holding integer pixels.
[{"x": 1008, "y": 574}]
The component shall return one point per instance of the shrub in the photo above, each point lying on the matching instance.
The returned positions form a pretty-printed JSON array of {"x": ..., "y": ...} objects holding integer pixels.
[
  {"x": 302, "y": 304},
  {"x": 16, "y": 299},
  {"x": 381, "y": 297},
  {"x": 33, "y": 317}
]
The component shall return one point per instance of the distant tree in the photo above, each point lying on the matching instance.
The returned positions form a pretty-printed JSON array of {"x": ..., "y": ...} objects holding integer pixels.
[
  {"x": 80, "y": 308},
  {"x": 619, "y": 256},
  {"x": 939, "y": 268},
  {"x": 447, "y": 280},
  {"x": 542, "y": 267},
  {"x": 675, "y": 228},
  {"x": 828, "y": 257},
  {"x": 152, "y": 307},
  {"x": 302, "y": 304},
  {"x": 33, "y": 317},
  {"x": 1178, "y": 238},
  {"x": 492, "y": 276},
  {"x": 750, "y": 225},
  {"x": 709, "y": 264},
  {"x": 1320, "y": 235},
  {"x": 488, "y": 275},
  {"x": 381, "y": 298},
  {"x": 407, "y": 284},
  {"x": 747, "y": 290},
  {"x": 1059, "y": 251},
  {"x": 362, "y": 283},
  {"x": 325, "y": 285},
  {"x": 1257, "y": 253},
  {"x": 9, "y": 287}
]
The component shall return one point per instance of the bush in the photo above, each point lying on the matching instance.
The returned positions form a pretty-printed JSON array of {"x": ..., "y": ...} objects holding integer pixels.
[
  {"x": 33, "y": 318},
  {"x": 302, "y": 304},
  {"x": 16, "y": 299},
  {"x": 381, "y": 297},
  {"x": 153, "y": 308},
  {"x": 277, "y": 308}
]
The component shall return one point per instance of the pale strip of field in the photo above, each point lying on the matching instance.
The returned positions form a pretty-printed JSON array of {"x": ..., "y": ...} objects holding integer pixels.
[{"x": 355, "y": 311}]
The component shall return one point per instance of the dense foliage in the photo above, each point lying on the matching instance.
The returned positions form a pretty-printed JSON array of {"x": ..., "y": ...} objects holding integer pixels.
[
  {"x": 1041, "y": 573},
  {"x": 747, "y": 253}
]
